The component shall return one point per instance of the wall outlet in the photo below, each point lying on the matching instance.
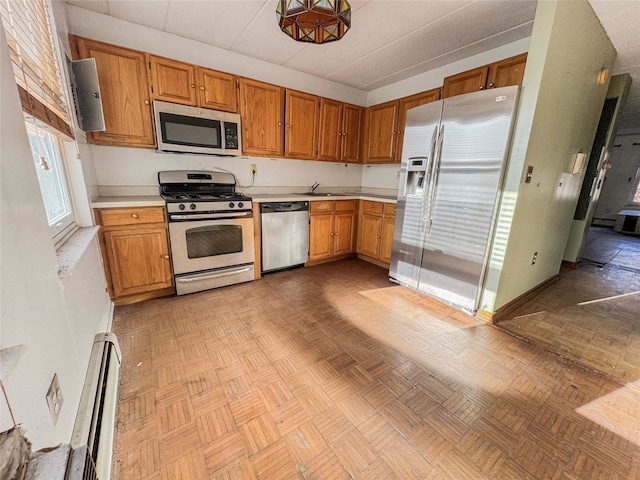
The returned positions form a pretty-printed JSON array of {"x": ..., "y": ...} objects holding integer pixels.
[
  {"x": 254, "y": 169},
  {"x": 54, "y": 398},
  {"x": 535, "y": 258}
]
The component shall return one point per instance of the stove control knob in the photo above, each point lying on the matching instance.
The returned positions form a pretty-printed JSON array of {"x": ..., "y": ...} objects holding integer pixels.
[
  {"x": 181, "y": 206},
  {"x": 192, "y": 206},
  {"x": 240, "y": 205},
  {"x": 231, "y": 204}
]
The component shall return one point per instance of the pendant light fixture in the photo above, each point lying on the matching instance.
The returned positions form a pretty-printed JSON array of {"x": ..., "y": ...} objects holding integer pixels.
[{"x": 314, "y": 21}]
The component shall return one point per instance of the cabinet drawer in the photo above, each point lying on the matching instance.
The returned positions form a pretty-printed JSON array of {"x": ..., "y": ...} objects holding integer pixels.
[
  {"x": 390, "y": 209},
  {"x": 372, "y": 207},
  {"x": 321, "y": 207},
  {"x": 112, "y": 217},
  {"x": 345, "y": 205}
]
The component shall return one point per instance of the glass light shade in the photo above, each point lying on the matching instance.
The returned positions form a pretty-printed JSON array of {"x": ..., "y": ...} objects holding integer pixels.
[{"x": 314, "y": 21}]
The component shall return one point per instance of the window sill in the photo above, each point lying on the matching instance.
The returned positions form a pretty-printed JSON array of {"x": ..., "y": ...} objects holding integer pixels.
[{"x": 72, "y": 250}]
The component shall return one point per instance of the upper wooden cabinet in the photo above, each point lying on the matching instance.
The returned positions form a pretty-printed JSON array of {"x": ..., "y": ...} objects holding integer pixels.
[
  {"x": 178, "y": 82},
  {"x": 385, "y": 126},
  {"x": 301, "y": 132},
  {"x": 509, "y": 71},
  {"x": 340, "y": 131},
  {"x": 124, "y": 88},
  {"x": 261, "y": 109}
]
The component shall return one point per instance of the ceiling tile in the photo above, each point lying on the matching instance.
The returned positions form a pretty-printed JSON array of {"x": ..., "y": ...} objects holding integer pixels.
[
  {"x": 217, "y": 23},
  {"x": 150, "y": 13}
]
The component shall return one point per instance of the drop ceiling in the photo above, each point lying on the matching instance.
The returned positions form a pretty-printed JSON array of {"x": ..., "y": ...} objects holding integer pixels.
[{"x": 389, "y": 40}]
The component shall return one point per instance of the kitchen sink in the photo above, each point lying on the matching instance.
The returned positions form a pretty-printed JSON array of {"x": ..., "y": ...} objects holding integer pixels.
[{"x": 316, "y": 194}]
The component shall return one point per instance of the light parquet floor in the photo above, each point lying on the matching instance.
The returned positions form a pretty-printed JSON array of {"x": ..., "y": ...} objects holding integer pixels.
[{"x": 332, "y": 372}]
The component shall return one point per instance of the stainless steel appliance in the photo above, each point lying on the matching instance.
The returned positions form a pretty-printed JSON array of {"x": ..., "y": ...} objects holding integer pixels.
[
  {"x": 285, "y": 235},
  {"x": 184, "y": 129},
  {"x": 453, "y": 157},
  {"x": 210, "y": 229}
]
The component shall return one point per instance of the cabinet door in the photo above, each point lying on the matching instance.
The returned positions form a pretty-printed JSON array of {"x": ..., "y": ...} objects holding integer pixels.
[
  {"x": 217, "y": 90},
  {"x": 330, "y": 130},
  {"x": 138, "y": 260},
  {"x": 386, "y": 240},
  {"x": 351, "y": 133},
  {"x": 507, "y": 72},
  {"x": 405, "y": 104},
  {"x": 465, "y": 82},
  {"x": 320, "y": 236},
  {"x": 371, "y": 229},
  {"x": 262, "y": 109},
  {"x": 344, "y": 233},
  {"x": 301, "y": 133},
  {"x": 173, "y": 81},
  {"x": 381, "y": 132},
  {"x": 122, "y": 74}
]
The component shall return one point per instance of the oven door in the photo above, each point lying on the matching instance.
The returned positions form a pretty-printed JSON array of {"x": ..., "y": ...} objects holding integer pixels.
[{"x": 208, "y": 244}]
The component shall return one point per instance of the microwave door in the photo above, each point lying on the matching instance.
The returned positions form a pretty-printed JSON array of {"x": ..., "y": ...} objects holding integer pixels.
[{"x": 180, "y": 133}]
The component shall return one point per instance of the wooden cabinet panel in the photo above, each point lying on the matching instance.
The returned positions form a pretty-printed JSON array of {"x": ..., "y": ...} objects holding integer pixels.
[
  {"x": 372, "y": 207},
  {"x": 345, "y": 205},
  {"x": 371, "y": 228},
  {"x": 130, "y": 216},
  {"x": 301, "y": 133},
  {"x": 321, "y": 207},
  {"x": 405, "y": 104},
  {"x": 173, "y": 81},
  {"x": 386, "y": 238},
  {"x": 261, "y": 108},
  {"x": 138, "y": 260},
  {"x": 329, "y": 143},
  {"x": 344, "y": 233},
  {"x": 124, "y": 88},
  {"x": 320, "y": 236},
  {"x": 465, "y": 82},
  {"x": 352, "y": 117},
  {"x": 507, "y": 72},
  {"x": 382, "y": 132},
  {"x": 217, "y": 90}
]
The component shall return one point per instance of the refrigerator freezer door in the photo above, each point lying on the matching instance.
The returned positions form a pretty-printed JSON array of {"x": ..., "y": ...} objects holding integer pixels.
[
  {"x": 475, "y": 139},
  {"x": 420, "y": 135}
]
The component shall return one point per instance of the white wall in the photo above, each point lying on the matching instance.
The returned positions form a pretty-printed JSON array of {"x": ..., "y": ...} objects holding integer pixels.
[
  {"x": 559, "y": 111},
  {"x": 55, "y": 320}
]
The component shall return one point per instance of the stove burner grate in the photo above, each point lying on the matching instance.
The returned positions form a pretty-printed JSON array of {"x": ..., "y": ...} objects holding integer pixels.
[{"x": 185, "y": 196}]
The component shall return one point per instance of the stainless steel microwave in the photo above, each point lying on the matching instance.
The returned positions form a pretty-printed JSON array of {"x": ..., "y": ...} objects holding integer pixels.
[{"x": 184, "y": 129}]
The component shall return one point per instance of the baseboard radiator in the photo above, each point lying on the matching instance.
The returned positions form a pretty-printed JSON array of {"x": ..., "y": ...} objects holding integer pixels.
[{"x": 93, "y": 431}]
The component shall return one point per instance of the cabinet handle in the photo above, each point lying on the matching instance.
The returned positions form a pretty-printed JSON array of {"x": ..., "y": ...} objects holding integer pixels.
[
  {"x": 166, "y": 257},
  {"x": 287, "y": 125},
  {"x": 377, "y": 236},
  {"x": 193, "y": 85},
  {"x": 146, "y": 102},
  {"x": 394, "y": 210},
  {"x": 371, "y": 205},
  {"x": 279, "y": 124},
  {"x": 134, "y": 215},
  {"x": 491, "y": 84},
  {"x": 202, "y": 88},
  {"x": 481, "y": 87},
  {"x": 335, "y": 233}
]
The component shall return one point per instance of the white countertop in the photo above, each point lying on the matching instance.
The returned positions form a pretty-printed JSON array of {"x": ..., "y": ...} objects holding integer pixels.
[{"x": 157, "y": 201}]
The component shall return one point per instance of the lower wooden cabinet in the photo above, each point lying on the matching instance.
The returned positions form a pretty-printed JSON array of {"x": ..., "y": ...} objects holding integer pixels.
[
  {"x": 375, "y": 231},
  {"x": 135, "y": 250},
  {"x": 332, "y": 228}
]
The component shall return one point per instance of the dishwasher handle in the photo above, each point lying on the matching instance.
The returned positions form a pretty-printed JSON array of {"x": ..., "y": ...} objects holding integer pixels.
[{"x": 277, "y": 207}]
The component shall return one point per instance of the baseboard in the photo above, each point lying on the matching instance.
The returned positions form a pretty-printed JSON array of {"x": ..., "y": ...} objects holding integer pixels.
[
  {"x": 335, "y": 258},
  {"x": 375, "y": 261},
  {"x": 504, "y": 311},
  {"x": 484, "y": 316},
  {"x": 570, "y": 265},
  {"x": 141, "y": 297}
]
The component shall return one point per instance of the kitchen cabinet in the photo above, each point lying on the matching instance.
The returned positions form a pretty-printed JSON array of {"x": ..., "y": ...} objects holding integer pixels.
[
  {"x": 135, "y": 249},
  {"x": 331, "y": 229},
  {"x": 509, "y": 71},
  {"x": 375, "y": 231},
  {"x": 124, "y": 88},
  {"x": 405, "y": 104},
  {"x": 301, "y": 132},
  {"x": 262, "y": 110},
  {"x": 340, "y": 131},
  {"x": 178, "y": 82}
]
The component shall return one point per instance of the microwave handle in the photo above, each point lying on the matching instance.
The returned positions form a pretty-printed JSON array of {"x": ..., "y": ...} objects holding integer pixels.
[{"x": 211, "y": 216}]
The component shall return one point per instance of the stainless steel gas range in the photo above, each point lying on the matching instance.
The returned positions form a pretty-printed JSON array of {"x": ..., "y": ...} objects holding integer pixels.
[{"x": 210, "y": 229}]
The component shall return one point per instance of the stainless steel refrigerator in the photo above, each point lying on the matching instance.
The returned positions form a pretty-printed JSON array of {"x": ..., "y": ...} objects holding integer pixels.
[{"x": 453, "y": 159}]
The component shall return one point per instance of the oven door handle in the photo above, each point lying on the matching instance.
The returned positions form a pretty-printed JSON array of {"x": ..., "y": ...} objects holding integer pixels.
[
  {"x": 207, "y": 276},
  {"x": 211, "y": 216}
]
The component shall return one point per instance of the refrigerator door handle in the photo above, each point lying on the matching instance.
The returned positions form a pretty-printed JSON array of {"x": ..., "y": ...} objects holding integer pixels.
[
  {"x": 428, "y": 181},
  {"x": 436, "y": 177}
]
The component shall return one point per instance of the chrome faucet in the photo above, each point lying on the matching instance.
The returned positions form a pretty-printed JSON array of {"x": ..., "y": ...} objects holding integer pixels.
[{"x": 314, "y": 186}]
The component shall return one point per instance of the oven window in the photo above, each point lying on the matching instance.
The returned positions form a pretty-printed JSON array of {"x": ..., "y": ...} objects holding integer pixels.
[
  {"x": 181, "y": 130},
  {"x": 214, "y": 240}
]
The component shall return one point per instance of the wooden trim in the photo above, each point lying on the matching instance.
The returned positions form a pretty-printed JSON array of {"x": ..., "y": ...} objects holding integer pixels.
[
  {"x": 503, "y": 312},
  {"x": 484, "y": 316},
  {"x": 335, "y": 258},
  {"x": 373, "y": 260},
  {"x": 257, "y": 241},
  {"x": 570, "y": 265},
  {"x": 139, "y": 297}
]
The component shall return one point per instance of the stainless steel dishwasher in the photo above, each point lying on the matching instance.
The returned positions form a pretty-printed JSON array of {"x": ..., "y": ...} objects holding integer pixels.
[{"x": 285, "y": 235}]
